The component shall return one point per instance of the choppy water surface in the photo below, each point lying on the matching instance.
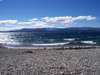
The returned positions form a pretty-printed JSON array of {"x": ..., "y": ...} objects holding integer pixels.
[{"x": 33, "y": 38}]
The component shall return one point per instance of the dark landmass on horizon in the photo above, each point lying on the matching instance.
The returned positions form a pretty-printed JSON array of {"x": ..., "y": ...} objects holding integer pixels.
[{"x": 71, "y": 29}]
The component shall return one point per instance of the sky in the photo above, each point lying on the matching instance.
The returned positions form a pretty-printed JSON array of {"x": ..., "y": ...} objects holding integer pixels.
[{"x": 17, "y": 14}]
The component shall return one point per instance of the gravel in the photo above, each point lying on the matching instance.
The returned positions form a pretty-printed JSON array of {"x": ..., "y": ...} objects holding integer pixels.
[{"x": 50, "y": 62}]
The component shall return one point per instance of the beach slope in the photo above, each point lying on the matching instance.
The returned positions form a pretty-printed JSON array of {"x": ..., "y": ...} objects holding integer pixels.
[{"x": 50, "y": 62}]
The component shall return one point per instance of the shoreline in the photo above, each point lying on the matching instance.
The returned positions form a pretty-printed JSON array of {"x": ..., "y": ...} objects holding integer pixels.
[{"x": 63, "y": 47}]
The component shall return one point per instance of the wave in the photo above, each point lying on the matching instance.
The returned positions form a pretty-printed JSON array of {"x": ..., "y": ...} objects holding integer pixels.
[
  {"x": 34, "y": 45},
  {"x": 51, "y": 44},
  {"x": 88, "y": 42},
  {"x": 69, "y": 39}
]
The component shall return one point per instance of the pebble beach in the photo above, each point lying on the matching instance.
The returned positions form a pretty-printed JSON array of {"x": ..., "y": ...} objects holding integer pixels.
[{"x": 50, "y": 62}]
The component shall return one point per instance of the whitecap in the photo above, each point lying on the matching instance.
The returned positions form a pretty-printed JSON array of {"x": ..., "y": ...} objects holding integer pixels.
[
  {"x": 88, "y": 42},
  {"x": 69, "y": 39},
  {"x": 51, "y": 44}
]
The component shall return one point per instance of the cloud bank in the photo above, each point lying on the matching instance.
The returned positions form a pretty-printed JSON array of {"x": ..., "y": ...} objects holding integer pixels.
[{"x": 46, "y": 22}]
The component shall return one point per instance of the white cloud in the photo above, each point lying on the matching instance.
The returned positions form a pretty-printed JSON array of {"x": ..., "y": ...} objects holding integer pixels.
[
  {"x": 34, "y": 19},
  {"x": 66, "y": 19},
  {"x": 88, "y": 18},
  {"x": 7, "y": 22},
  {"x": 46, "y": 22}
]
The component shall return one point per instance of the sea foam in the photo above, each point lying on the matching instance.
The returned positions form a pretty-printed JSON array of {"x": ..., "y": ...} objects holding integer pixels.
[{"x": 88, "y": 42}]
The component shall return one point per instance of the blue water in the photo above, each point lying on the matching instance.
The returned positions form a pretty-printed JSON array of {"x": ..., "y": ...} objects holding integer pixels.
[{"x": 30, "y": 38}]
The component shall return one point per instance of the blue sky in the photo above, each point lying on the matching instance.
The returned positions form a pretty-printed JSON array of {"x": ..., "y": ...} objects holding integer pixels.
[{"x": 15, "y": 14}]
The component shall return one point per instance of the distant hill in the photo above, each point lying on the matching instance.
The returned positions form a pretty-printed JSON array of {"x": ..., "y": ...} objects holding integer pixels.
[{"x": 73, "y": 29}]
